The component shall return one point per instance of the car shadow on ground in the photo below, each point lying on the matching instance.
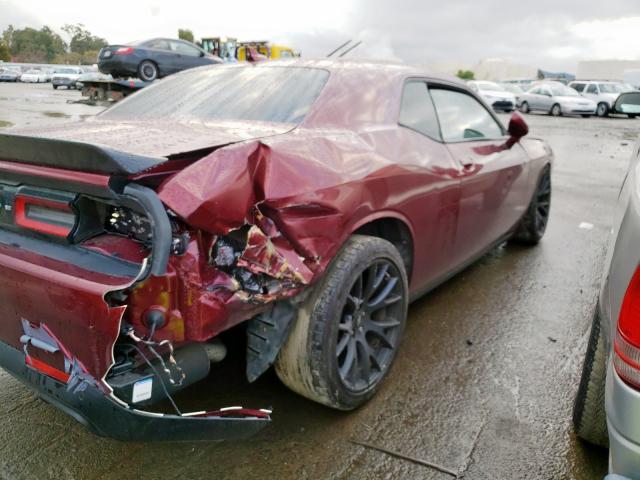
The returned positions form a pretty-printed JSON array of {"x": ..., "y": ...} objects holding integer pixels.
[{"x": 227, "y": 386}]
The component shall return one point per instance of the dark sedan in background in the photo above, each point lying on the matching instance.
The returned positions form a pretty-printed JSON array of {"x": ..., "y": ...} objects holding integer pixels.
[{"x": 151, "y": 59}]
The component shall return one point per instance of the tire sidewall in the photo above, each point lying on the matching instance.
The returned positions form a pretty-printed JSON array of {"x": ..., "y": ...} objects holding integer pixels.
[
  {"x": 328, "y": 309},
  {"x": 141, "y": 70},
  {"x": 589, "y": 418}
]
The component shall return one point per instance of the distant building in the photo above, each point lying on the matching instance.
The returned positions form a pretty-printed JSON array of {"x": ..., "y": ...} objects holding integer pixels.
[
  {"x": 562, "y": 77},
  {"x": 613, "y": 70},
  {"x": 497, "y": 69},
  {"x": 494, "y": 69}
]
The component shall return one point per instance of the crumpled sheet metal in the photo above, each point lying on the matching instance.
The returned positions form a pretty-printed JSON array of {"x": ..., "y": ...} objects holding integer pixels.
[
  {"x": 307, "y": 187},
  {"x": 269, "y": 252},
  {"x": 201, "y": 300}
]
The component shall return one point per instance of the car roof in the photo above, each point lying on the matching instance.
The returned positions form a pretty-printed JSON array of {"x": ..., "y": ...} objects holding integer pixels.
[{"x": 375, "y": 67}]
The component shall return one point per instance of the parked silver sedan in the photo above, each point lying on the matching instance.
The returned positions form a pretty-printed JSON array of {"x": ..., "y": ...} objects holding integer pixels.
[
  {"x": 495, "y": 95},
  {"x": 516, "y": 90},
  {"x": 556, "y": 99},
  {"x": 607, "y": 406}
]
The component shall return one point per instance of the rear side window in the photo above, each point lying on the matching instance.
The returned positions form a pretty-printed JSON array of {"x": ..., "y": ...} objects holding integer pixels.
[
  {"x": 578, "y": 86},
  {"x": 593, "y": 88},
  {"x": 184, "y": 49},
  {"x": 158, "y": 43},
  {"x": 462, "y": 117},
  {"x": 417, "y": 111}
]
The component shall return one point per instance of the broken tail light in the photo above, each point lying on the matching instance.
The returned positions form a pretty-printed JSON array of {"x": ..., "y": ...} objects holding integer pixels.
[
  {"x": 45, "y": 215},
  {"x": 626, "y": 358}
]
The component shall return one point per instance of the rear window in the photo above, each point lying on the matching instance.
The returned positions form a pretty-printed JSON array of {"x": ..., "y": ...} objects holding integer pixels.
[{"x": 268, "y": 94}]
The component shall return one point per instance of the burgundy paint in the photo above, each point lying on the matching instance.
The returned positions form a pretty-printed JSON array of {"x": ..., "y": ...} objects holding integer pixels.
[
  {"x": 302, "y": 192},
  {"x": 68, "y": 299}
]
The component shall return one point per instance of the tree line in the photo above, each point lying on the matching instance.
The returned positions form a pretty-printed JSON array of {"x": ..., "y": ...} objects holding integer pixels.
[{"x": 28, "y": 45}]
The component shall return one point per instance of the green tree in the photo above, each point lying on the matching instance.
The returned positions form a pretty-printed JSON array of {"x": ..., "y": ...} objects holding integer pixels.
[
  {"x": 82, "y": 40},
  {"x": 186, "y": 34},
  {"x": 5, "y": 56},
  {"x": 31, "y": 45},
  {"x": 466, "y": 75},
  {"x": 7, "y": 34}
]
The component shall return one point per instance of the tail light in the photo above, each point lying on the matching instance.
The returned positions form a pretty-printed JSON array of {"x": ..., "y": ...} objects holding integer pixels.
[
  {"x": 44, "y": 215},
  {"x": 626, "y": 346},
  {"x": 124, "y": 51}
]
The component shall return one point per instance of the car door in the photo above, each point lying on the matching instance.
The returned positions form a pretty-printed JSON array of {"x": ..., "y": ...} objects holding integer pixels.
[
  {"x": 431, "y": 184},
  {"x": 160, "y": 52},
  {"x": 592, "y": 92},
  {"x": 493, "y": 175},
  {"x": 534, "y": 99},
  {"x": 546, "y": 99}
]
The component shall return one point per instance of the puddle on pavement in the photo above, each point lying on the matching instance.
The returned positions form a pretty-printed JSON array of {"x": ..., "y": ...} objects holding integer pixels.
[{"x": 56, "y": 115}]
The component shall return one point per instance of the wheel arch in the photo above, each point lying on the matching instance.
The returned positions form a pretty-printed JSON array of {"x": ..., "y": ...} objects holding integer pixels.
[{"x": 393, "y": 227}]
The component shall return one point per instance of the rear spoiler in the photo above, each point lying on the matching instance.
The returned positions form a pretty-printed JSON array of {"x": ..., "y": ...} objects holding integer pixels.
[
  {"x": 73, "y": 155},
  {"x": 98, "y": 159}
]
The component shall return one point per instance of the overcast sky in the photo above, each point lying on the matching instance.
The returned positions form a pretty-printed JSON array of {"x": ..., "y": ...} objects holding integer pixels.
[{"x": 550, "y": 34}]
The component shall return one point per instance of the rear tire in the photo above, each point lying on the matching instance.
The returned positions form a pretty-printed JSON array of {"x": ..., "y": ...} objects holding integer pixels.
[
  {"x": 348, "y": 329},
  {"x": 589, "y": 416},
  {"x": 524, "y": 108},
  {"x": 602, "y": 110},
  {"x": 556, "y": 110},
  {"x": 55, "y": 87},
  {"x": 531, "y": 228},
  {"x": 147, "y": 71},
  {"x": 632, "y": 115}
]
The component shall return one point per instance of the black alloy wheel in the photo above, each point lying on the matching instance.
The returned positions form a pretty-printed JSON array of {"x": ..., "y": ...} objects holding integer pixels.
[
  {"x": 543, "y": 203},
  {"x": 348, "y": 330},
  {"x": 533, "y": 225},
  {"x": 370, "y": 326}
]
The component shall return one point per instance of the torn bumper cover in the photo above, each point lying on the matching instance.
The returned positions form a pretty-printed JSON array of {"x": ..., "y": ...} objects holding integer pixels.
[
  {"x": 104, "y": 416},
  {"x": 57, "y": 334}
]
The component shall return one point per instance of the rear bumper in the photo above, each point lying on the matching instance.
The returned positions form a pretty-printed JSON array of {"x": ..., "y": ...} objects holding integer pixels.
[
  {"x": 503, "y": 105},
  {"x": 623, "y": 421},
  {"x": 119, "y": 65},
  {"x": 106, "y": 417}
]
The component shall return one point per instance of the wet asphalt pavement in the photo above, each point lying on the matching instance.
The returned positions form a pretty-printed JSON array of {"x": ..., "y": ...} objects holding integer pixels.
[{"x": 483, "y": 384}]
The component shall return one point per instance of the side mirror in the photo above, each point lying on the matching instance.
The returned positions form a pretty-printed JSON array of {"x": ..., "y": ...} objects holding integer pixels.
[{"x": 517, "y": 129}]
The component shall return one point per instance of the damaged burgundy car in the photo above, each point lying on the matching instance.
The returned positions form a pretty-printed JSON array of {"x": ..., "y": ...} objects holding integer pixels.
[{"x": 310, "y": 201}]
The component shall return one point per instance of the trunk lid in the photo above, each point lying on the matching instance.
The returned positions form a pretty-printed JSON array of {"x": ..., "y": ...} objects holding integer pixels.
[{"x": 152, "y": 138}]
